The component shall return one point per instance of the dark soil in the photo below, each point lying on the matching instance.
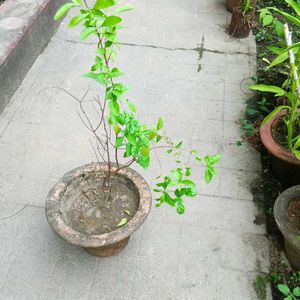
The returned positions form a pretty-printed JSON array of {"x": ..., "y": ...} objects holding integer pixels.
[
  {"x": 90, "y": 210},
  {"x": 279, "y": 133},
  {"x": 294, "y": 214}
]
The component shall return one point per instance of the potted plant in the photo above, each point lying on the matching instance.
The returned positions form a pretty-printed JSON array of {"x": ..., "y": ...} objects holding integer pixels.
[
  {"x": 242, "y": 19},
  {"x": 279, "y": 131},
  {"x": 99, "y": 205},
  {"x": 287, "y": 216},
  {"x": 232, "y": 4}
]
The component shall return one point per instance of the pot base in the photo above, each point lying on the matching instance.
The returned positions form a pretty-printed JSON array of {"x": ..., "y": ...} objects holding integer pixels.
[
  {"x": 292, "y": 253},
  {"x": 109, "y": 250}
]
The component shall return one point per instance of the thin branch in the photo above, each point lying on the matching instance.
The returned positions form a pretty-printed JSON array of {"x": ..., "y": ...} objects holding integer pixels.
[{"x": 13, "y": 215}]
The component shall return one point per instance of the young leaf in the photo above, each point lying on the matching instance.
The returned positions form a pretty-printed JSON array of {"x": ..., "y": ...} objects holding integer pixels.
[
  {"x": 111, "y": 21},
  {"x": 284, "y": 289},
  {"x": 131, "y": 106},
  {"x": 124, "y": 8},
  {"x": 127, "y": 212},
  {"x": 63, "y": 10},
  {"x": 160, "y": 124},
  {"x": 100, "y": 4},
  {"x": 76, "y": 20},
  {"x": 122, "y": 222},
  {"x": 86, "y": 32}
]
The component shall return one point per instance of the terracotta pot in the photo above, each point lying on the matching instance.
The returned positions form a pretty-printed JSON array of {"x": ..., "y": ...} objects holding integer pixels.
[
  {"x": 68, "y": 194},
  {"x": 285, "y": 166},
  {"x": 292, "y": 244},
  {"x": 240, "y": 25},
  {"x": 232, "y": 4}
]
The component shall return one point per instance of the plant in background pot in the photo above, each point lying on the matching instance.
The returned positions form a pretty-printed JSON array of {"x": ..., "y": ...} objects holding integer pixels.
[
  {"x": 280, "y": 130},
  {"x": 242, "y": 19},
  {"x": 97, "y": 206},
  {"x": 287, "y": 216}
]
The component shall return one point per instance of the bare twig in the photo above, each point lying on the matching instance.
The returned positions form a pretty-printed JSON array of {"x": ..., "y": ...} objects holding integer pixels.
[{"x": 13, "y": 215}]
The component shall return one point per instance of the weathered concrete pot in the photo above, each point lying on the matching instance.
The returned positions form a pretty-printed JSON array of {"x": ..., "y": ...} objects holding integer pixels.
[
  {"x": 106, "y": 244},
  {"x": 240, "y": 25},
  {"x": 285, "y": 166},
  {"x": 292, "y": 244},
  {"x": 232, "y": 4}
]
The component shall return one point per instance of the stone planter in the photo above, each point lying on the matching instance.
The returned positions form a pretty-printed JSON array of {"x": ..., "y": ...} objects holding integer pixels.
[
  {"x": 292, "y": 244},
  {"x": 240, "y": 24},
  {"x": 232, "y": 4},
  {"x": 80, "y": 211},
  {"x": 285, "y": 166}
]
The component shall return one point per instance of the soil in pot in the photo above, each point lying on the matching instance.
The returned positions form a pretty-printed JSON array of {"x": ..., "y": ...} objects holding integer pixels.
[
  {"x": 240, "y": 24},
  {"x": 89, "y": 209},
  {"x": 294, "y": 214},
  {"x": 279, "y": 133}
]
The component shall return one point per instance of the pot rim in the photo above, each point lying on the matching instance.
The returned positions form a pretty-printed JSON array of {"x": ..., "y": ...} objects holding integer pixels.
[
  {"x": 77, "y": 238},
  {"x": 281, "y": 215},
  {"x": 275, "y": 149}
]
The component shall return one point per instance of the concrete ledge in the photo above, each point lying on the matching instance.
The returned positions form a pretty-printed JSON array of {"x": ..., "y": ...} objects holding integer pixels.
[{"x": 25, "y": 29}]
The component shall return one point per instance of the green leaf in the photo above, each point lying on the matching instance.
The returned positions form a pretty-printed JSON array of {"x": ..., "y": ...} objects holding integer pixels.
[
  {"x": 208, "y": 175},
  {"x": 297, "y": 144},
  {"x": 251, "y": 112},
  {"x": 122, "y": 222},
  {"x": 268, "y": 88},
  {"x": 131, "y": 106},
  {"x": 180, "y": 209},
  {"x": 178, "y": 145},
  {"x": 124, "y": 8},
  {"x": 284, "y": 55},
  {"x": 127, "y": 212},
  {"x": 100, "y": 4},
  {"x": 296, "y": 291},
  {"x": 119, "y": 142},
  {"x": 296, "y": 153},
  {"x": 98, "y": 77},
  {"x": 145, "y": 150},
  {"x": 77, "y": 2},
  {"x": 274, "y": 113},
  {"x": 287, "y": 16},
  {"x": 295, "y": 6},
  {"x": 76, "y": 20},
  {"x": 279, "y": 29},
  {"x": 63, "y": 10},
  {"x": 86, "y": 32},
  {"x": 111, "y": 21},
  {"x": 159, "y": 124},
  {"x": 284, "y": 289},
  {"x": 267, "y": 20}
]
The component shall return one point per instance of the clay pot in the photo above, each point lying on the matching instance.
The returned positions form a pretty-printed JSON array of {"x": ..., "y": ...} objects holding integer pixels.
[
  {"x": 285, "y": 166},
  {"x": 291, "y": 242},
  {"x": 240, "y": 25},
  {"x": 74, "y": 196},
  {"x": 232, "y": 4}
]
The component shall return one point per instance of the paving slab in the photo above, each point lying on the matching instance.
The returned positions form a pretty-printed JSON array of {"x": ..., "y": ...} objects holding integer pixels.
[{"x": 180, "y": 64}]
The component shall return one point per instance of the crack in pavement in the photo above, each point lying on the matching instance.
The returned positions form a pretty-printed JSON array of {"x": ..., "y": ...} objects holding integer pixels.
[{"x": 200, "y": 49}]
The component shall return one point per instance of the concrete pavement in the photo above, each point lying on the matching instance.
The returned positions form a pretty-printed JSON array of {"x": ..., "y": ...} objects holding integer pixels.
[{"x": 180, "y": 65}]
